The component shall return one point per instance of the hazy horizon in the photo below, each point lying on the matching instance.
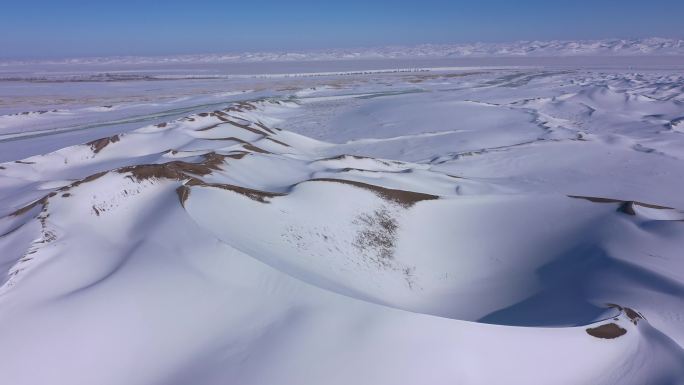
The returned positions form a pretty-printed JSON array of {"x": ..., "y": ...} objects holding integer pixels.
[{"x": 426, "y": 51}]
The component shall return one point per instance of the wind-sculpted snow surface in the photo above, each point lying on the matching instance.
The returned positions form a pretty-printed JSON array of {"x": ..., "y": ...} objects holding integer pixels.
[{"x": 499, "y": 227}]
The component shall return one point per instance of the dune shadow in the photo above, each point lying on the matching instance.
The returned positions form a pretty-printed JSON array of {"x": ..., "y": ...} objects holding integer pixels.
[{"x": 570, "y": 284}]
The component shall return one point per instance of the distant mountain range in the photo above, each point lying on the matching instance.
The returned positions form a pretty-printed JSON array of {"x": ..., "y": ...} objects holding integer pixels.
[{"x": 605, "y": 47}]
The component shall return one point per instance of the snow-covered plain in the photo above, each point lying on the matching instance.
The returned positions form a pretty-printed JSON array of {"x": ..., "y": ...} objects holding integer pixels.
[{"x": 483, "y": 225}]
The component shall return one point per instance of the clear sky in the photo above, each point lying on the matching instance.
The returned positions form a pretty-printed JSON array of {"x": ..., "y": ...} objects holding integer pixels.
[{"x": 57, "y": 28}]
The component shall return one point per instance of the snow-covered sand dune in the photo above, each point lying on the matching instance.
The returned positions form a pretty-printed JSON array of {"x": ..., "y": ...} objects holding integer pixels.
[{"x": 476, "y": 227}]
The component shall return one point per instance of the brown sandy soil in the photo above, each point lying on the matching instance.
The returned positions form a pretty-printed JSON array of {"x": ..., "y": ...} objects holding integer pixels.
[
  {"x": 344, "y": 156},
  {"x": 237, "y": 154},
  {"x": 279, "y": 142},
  {"x": 99, "y": 144},
  {"x": 595, "y": 199},
  {"x": 607, "y": 331},
  {"x": 378, "y": 232},
  {"x": 349, "y": 169},
  {"x": 402, "y": 197},
  {"x": 39, "y": 112},
  {"x": 245, "y": 127},
  {"x": 253, "y": 148},
  {"x": 245, "y": 144},
  {"x": 183, "y": 194},
  {"x": 23, "y": 210},
  {"x": 264, "y": 127},
  {"x": 209, "y": 127},
  {"x": 180, "y": 170},
  {"x": 176, "y": 170},
  {"x": 241, "y": 141},
  {"x": 84, "y": 180},
  {"x": 233, "y": 123},
  {"x": 633, "y": 315},
  {"x": 626, "y": 207},
  {"x": 256, "y": 195},
  {"x": 44, "y": 200}
]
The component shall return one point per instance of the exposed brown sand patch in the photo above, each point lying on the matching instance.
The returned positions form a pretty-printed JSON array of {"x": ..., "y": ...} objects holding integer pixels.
[
  {"x": 44, "y": 200},
  {"x": 176, "y": 170},
  {"x": 246, "y": 127},
  {"x": 172, "y": 170},
  {"x": 253, "y": 148},
  {"x": 255, "y": 195},
  {"x": 378, "y": 232},
  {"x": 209, "y": 127},
  {"x": 633, "y": 315},
  {"x": 23, "y": 210},
  {"x": 349, "y": 169},
  {"x": 278, "y": 142},
  {"x": 402, "y": 171},
  {"x": 402, "y": 197},
  {"x": 245, "y": 144},
  {"x": 237, "y": 155},
  {"x": 359, "y": 157},
  {"x": 234, "y": 139},
  {"x": 596, "y": 199},
  {"x": 264, "y": 127},
  {"x": 626, "y": 207},
  {"x": 607, "y": 331},
  {"x": 87, "y": 179},
  {"x": 183, "y": 194},
  {"x": 99, "y": 144}
]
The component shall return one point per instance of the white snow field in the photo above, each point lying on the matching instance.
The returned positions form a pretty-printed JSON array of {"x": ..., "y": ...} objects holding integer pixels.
[{"x": 495, "y": 224}]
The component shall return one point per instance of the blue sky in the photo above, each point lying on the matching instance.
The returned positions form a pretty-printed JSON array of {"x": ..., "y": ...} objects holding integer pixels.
[{"x": 89, "y": 28}]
